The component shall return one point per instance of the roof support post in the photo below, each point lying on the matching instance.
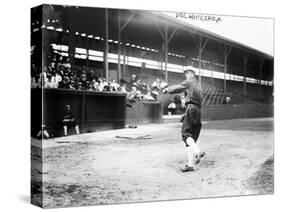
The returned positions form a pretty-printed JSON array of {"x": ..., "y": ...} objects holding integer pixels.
[
  {"x": 88, "y": 40},
  {"x": 200, "y": 46},
  {"x": 224, "y": 75},
  {"x": 120, "y": 29},
  {"x": 83, "y": 113},
  {"x": 200, "y": 58},
  {"x": 87, "y": 57},
  {"x": 159, "y": 30},
  {"x": 119, "y": 47},
  {"x": 199, "y": 53},
  {"x": 261, "y": 61},
  {"x": 105, "y": 54},
  {"x": 226, "y": 53},
  {"x": 124, "y": 59},
  {"x": 166, "y": 52},
  {"x": 71, "y": 38},
  {"x": 127, "y": 21},
  {"x": 172, "y": 35},
  {"x": 213, "y": 82},
  {"x": 166, "y": 39},
  {"x": 246, "y": 57}
]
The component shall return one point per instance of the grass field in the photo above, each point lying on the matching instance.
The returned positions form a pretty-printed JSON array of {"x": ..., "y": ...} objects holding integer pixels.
[{"x": 100, "y": 168}]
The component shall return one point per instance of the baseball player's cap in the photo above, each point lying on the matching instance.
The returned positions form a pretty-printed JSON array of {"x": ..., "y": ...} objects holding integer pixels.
[{"x": 189, "y": 69}]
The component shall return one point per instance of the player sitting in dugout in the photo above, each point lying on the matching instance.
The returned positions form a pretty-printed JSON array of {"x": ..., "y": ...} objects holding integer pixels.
[{"x": 68, "y": 120}]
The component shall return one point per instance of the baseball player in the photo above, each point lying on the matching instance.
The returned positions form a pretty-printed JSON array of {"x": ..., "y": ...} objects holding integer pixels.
[
  {"x": 191, "y": 122},
  {"x": 68, "y": 120}
]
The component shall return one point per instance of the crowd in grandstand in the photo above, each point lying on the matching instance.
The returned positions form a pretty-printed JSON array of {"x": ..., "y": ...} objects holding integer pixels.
[{"x": 60, "y": 74}]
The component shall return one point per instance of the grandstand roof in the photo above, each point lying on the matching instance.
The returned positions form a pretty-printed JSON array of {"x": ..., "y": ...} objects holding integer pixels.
[
  {"x": 216, "y": 36},
  {"x": 141, "y": 29}
]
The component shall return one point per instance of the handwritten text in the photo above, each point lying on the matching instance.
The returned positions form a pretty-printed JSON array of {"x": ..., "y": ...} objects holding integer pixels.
[{"x": 203, "y": 18}]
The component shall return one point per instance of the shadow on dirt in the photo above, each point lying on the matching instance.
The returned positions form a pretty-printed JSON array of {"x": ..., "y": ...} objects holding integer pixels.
[{"x": 263, "y": 180}]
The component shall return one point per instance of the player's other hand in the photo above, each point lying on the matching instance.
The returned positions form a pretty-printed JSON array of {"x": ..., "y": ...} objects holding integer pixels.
[{"x": 165, "y": 90}]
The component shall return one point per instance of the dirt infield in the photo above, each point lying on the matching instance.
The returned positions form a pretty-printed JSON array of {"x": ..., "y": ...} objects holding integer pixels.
[{"x": 100, "y": 168}]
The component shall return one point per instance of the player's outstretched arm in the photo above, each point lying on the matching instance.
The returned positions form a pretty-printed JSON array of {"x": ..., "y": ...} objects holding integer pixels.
[{"x": 178, "y": 88}]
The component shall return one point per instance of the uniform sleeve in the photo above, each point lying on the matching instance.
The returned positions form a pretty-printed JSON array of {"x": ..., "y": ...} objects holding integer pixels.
[{"x": 179, "y": 88}]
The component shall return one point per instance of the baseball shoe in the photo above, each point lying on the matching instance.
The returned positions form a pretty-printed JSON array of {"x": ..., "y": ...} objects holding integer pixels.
[
  {"x": 187, "y": 169},
  {"x": 198, "y": 157}
]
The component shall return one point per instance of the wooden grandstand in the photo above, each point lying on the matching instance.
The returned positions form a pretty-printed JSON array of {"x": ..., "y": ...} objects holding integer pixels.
[{"x": 153, "y": 36}]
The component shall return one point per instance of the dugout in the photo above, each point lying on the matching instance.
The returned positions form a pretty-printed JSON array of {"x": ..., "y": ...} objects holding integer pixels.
[
  {"x": 144, "y": 112},
  {"x": 93, "y": 111}
]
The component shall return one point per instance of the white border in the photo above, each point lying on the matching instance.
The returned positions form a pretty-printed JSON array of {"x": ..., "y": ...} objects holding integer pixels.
[{"x": 15, "y": 106}]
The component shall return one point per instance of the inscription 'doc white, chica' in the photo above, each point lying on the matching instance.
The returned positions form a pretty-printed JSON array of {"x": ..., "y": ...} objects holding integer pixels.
[{"x": 196, "y": 17}]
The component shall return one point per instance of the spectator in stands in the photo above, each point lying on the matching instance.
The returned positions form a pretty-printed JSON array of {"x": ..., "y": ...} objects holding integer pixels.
[
  {"x": 43, "y": 80},
  {"x": 141, "y": 85},
  {"x": 38, "y": 77},
  {"x": 65, "y": 83},
  {"x": 95, "y": 85},
  {"x": 79, "y": 86},
  {"x": 133, "y": 79},
  {"x": 113, "y": 86},
  {"x": 145, "y": 86},
  {"x": 92, "y": 76},
  {"x": 106, "y": 85},
  {"x": 155, "y": 88},
  {"x": 123, "y": 88},
  {"x": 68, "y": 120},
  {"x": 163, "y": 84},
  {"x": 172, "y": 107},
  {"x": 137, "y": 83},
  {"x": 34, "y": 84},
  {"x": 91, "y": 87},
  {"x": 50, "y": 84},
  {"x": 33, "y": 70},
  {"x": 132, "y": 94},
  {"x": 88, "y": 85},
  {"x": 156, "y": 83},
  {"x": 60, "y": 70},
  {"x": 53, "y": 83},
  {"x": 148, "y": 97},
  {"x": 59, "y": 62},
  {"x": 67, "y": 71},
  {"x": 84, "y": 80},
  {"x": 50, "y": 75},
  {"x": 66, "y": 63},
  {"x": 227, "y": 101},
  {"x": 58, "y": 77},
  {"x": 72, "y": 84},
  {"x": 138, "y": 95},
  {"x": 101, "y": 84},
  {"x": 52, "y": 67}
]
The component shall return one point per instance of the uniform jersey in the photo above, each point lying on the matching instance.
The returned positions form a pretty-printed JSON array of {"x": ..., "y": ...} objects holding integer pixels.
[{"x": 192, "y": 89}]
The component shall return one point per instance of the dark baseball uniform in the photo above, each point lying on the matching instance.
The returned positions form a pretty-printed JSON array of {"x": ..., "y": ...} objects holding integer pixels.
[
  {"x": 68, "y": 119},
  {"x": 191, "y": 124}
]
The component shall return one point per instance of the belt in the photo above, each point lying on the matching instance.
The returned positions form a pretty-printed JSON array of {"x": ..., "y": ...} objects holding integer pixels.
[{"x": 192, "y": 103}]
